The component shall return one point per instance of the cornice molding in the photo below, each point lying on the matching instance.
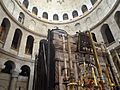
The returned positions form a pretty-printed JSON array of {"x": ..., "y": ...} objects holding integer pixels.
[
  {"x": 59, "y": 22},
  {"x": 106, "y": 17},
  {"x": 15, "y": 56}
]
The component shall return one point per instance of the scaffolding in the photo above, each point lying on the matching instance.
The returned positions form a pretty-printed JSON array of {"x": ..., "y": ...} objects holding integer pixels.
[{"x": 76, "y": 63}]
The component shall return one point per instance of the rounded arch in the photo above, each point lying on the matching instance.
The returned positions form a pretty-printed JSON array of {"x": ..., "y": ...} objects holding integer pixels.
[
  {"x": 21, "y": 17},
  {"x": 25, "y": 3},
  {"x": 25, "y": 71},
  {"x": 16, "y": 39},
  {"x": 84, "y": 8},
  {"x": 35, "y": 10},
  {"x": 29, "y": 45},
  {"x": 94, "y": 37},
  {"x": 4, "y": 28},
  {"x": 107, "y": 34},
  {"x": 12, "y": 5},
  {"x": 88, "y": 21},
  {"x": 32, "y": 25},
  {"x": 65, "y": 16},
  {"x": 74, "y": 13},
  {"x": 99, "y": 12},
  {"x": 117, "y": 18},
  {"x": 9, "y": 67},
  {"x": 77, "y": 26},
  {"x": 45, "y": 15},
  {"x": 55, "y": 17},
  {"x": 93, "y": 1}
]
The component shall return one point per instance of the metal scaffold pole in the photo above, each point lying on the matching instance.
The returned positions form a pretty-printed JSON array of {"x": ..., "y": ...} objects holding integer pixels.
[
  {"x": 113, "y": 68},
  {"x": 97, "y": 63},
  {"x": 107, "y": 65}
]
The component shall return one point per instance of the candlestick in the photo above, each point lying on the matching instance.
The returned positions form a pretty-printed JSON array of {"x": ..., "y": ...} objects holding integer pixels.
[{"x": 93, "y": 74}]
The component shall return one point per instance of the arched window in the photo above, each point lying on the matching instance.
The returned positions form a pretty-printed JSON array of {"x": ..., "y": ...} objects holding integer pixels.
[
  {"x": 35, "y": 10},
  {"x": 74, "y": 13},
  {"x": 9, "y": 66},
  {"x": 25, "y": 3},
  {"x": 29, "y": 45},
  {"x": 84, "y": 8},
  {"x": 4, "y": 28},
  {"x": 45, "y": 15},
  {"x": 65, "y": 16},
  {"x": 93, "y": 1},
  {"x": 55, "y": 17},
  {"x": 94, "y": 37},
  {"x": 77, "y": 26},
  {"x": 16, "y": 39},
  {"x": 25, "y": 71},
  {"x": 117, "y": 18},
  {"x": 107, "y": 34},
  {"x": 21, "y": 17}
]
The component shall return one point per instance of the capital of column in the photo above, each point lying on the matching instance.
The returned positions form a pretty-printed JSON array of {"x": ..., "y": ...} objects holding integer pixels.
[
  {"x": 1, "y": 66},
  {"x": 15, "y": 74},
  {"x": 13, "y": 83}
]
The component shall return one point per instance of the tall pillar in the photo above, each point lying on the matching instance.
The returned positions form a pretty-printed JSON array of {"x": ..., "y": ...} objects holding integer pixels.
[
  {"x": 35, "y": 48},
  {"x": 9, "y": 39},
  {"x": 31, "y": 77},
  {"x": 115, "y": 72},
  {"x": 97, "y": 62},
  {"x": 22, "y": 45},
  {"x": 116, "y": 54},
  {"x": 13, "y": 81}
]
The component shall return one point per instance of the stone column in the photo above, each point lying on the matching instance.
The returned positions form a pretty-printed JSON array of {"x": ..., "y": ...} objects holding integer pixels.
[
  {"x": 31, "y": 77},
  {"x": 113, "y": 66},
  {"x": 9, "y": 39},
  {"x": 22, "y": 45},
  {"x": 35, "y": 48},
  {"x": 116, "y": 54},
  {"x": 118, "y": 58},
  {"x": 13, "y": 82}
]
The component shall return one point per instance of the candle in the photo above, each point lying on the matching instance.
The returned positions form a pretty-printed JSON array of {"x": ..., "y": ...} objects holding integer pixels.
[{"x": 93, "y": 74}]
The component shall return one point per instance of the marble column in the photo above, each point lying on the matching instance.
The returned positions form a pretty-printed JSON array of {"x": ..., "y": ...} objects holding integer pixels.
[{"x": 13, "y": 81}]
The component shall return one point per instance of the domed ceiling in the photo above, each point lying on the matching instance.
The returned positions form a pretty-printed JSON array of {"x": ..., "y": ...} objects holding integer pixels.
[{"x": 60, "y": 7}]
